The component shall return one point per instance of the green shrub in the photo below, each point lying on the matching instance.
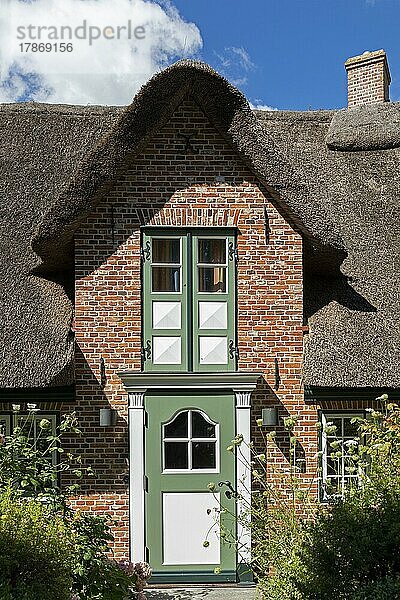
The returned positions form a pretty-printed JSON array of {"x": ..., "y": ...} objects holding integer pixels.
[
  {"x": 384, "y": 589},
  {"x": 352, "y": 545},
  {"x": 33, "y": 466},
  {"x": 95, "y": 575},
  {"x": 55, "y": 551},
  {"x": 346, "y": 550},
  {"x": 36, "y": 552},
  {"x": 352, "y": 549},
  {"x": 280, "y": 505}
]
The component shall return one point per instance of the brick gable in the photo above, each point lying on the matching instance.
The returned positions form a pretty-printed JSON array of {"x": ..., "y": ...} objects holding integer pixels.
[{"x": 180, "y": 180}]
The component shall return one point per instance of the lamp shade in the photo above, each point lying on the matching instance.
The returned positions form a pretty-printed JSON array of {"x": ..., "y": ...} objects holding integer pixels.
[
  {"x": 107, "y": 417},
  {"x": 270, "y": 416}
]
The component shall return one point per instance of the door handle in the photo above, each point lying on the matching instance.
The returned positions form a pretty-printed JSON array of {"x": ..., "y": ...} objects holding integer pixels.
[{"x": 230, "y": 492}]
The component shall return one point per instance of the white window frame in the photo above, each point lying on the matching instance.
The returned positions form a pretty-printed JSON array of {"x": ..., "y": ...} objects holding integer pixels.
[
  {"x": 325, "y": 418},
  {"x": 189, "y": 440},
  {"x": 6, "y": 419}
]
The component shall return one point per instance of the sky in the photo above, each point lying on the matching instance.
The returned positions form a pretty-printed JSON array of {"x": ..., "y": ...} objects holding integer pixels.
[{"x": 283, "y": 54}]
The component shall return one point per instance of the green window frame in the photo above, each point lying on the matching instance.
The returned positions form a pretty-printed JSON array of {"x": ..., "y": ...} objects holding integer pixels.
[{"x": 189, "y": 300}]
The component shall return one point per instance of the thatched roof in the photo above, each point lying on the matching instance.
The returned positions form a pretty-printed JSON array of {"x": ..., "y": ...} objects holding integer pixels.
[
  {"x": 59, "y": 162},
  {"x": 41, "y": 147},
  {"x": 354, "y": 335}
]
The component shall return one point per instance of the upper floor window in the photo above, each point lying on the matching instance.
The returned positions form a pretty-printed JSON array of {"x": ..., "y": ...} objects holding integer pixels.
[
  {"x": 339, "y": 437},
  {"x": 189, "y": 292}
]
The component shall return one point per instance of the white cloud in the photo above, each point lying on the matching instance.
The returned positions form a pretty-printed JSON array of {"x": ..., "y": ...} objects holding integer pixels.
[
  {"x": 235, "y": 63},
  {"x": 260, "y": 106},
  {"x": 107, "y": 71}
]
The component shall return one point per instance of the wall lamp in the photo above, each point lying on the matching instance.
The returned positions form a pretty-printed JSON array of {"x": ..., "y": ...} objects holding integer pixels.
[
  {"x": 108, "y": 417},
  {"x": 270, "y": 416}
]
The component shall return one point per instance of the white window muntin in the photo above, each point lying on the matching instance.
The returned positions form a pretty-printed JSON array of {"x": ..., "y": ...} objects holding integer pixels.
[
  {"x": 342, "y": 477},
  {"x": 158, "y": 264},
  {"x": 189, "y": 440}
]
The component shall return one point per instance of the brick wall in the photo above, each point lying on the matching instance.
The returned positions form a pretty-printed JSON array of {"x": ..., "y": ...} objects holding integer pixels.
[
  {"x": 368, "y": 78},
  {"x": 203, "y": 184}
]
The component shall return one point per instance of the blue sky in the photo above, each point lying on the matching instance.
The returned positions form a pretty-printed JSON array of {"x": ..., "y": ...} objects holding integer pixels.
[
  {"x": 297, "y": 47},
  {"x": 285, "y": 54}
]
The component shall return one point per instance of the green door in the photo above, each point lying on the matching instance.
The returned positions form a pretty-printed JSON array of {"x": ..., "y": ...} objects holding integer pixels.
[{"x": 186, "y": 441}]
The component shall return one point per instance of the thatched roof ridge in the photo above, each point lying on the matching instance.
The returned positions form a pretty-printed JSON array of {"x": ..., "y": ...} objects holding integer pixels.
[{"x": 227, "y": 109}]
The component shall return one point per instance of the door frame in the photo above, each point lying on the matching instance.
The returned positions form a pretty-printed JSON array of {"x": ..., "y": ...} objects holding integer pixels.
[{"x": 137, "y": 384}]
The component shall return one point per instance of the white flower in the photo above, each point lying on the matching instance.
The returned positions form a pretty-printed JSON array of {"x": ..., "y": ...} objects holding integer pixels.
[{"x": 16, "y": 407}]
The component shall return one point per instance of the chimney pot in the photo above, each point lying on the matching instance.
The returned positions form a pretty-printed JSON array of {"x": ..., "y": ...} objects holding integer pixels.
[{"x": 368, "y": 78}]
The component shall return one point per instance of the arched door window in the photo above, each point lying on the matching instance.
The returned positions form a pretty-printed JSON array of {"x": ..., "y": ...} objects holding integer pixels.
[{"x": 190, "y": 443}]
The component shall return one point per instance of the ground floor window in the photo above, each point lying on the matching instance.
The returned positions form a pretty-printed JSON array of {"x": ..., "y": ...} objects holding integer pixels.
[
  {"x": 339, "y": 440},
  {"x": 30, "y": 424}
]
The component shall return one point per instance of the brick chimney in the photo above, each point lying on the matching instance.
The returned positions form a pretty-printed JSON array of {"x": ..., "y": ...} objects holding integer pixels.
[{"x": 368, "y": 78}]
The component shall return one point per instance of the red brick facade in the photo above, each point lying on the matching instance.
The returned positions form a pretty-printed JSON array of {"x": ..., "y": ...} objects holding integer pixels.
[{"x": 202, "y": 182}]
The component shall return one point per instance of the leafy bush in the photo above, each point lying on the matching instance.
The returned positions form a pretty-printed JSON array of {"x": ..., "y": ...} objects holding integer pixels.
[
  {"x": 353, "y": 545},
  {"x": 33, "y": 466},
  {"x": 95, "y": 575},
  {"x": 346, "y": 550},
  {"x": 384, "y": 589},
  {"x": 280, "y": 505},
  {"x": 36, "y": 551},
  {"x": 80, "y": 565},
  {"x": 352, "y": 549}
]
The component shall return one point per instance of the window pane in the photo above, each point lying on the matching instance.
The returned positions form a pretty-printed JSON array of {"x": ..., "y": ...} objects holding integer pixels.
[
  {"x": 176, "y": 455},
  {"x": 333, "y": 485},
  {"x": 203, "y": 455},
  {"x": 201, "y": 428},
  {"x": 166, "y": 251},
  {"x": 212, "y": 251},
  {"x": 178, "y": 428},
  {"x": 27, "y": 425},
  {"x": 4, "y": 425},
  {"x": 349, "y": 429},
  {"x": 42, "y": 443},
  {"x": 212, "y": 279},
  {"x": 333, "y": 466},
  {"x": 337, "y": 422},
  {"x": 166, "y": 279}
]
